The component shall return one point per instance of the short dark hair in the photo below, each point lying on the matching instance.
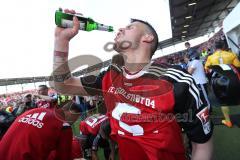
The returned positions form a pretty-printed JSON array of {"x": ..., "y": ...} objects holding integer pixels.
[
  {"x": 219, "y": 45},
  {"x": 153, "y": 32},
  {"x": 43, "y": 86},
  {"x": 28, "y": 96},
  {"x": 187, "y": 43}
]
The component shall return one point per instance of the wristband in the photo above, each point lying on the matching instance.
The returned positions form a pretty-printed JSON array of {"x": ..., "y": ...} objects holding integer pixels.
[{"x": 60, "y": 54}]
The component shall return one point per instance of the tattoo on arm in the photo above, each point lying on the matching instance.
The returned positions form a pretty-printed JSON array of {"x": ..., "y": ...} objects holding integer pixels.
[{"x": 61, "y": 70}]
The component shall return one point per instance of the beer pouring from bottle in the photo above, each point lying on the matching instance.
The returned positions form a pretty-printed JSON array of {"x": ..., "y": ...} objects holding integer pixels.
[{"x": 65, "y": 20}]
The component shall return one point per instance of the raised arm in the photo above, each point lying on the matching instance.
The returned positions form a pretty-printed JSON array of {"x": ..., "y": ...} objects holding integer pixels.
[{"x": 63, "y": 81}]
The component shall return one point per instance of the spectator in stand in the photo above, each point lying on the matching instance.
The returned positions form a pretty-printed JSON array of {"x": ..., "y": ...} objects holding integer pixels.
[
  {"x": 220, "y": 56},
  {"x": 26, "y": 104},
  {"x": 38, "y": 132},
  {"x": 190, "y": 50},
  {"x": 183, "y": 64},
  {"x": 204, "y": 54},
  {"x": 196, "y": 69},
  {"x": 29, "y": 103},
  {"x": 6, "y": 119},
  {"x": 170, "y": 61},
  {"x": 79, "y": 100}
]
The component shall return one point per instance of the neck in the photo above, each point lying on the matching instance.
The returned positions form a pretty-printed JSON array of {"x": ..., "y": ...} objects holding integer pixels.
[{"x": 135, "y": 60}]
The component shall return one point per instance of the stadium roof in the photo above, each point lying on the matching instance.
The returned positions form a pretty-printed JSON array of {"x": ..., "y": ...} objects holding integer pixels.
[
  {"x": 194, "y": 18},
  {"x": 14, "y": 81}
]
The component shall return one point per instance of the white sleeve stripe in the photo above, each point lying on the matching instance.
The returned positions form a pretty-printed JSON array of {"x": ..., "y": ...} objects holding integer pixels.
[
  {"x": 190, "y": 89},
  {"x": 186, "y": 78},
  {"x": 175, "y": 70},
  {"x": 194, "y": 90},
  {"x": 183, "y": 77},
  {"x": 159, "y": 68},
  {"x": 180, "y": 76},
  {"x": 154, "y": 73},
  {"x": 157, "y": 71},
  {"x": 192, "y": 85}
]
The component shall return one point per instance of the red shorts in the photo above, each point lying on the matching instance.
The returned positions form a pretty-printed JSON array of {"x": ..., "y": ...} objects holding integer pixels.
[{"x": 130, "y": 150}]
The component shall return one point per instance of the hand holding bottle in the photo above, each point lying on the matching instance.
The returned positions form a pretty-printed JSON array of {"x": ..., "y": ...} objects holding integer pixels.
[
  {"x": 69, "y": 23},
  {"x": 65, "y": 20},
  {"x": 66, "y": 34}
]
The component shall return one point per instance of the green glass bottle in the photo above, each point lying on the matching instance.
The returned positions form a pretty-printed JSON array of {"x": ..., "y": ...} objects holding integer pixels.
[{"x": 87, "y": 24}]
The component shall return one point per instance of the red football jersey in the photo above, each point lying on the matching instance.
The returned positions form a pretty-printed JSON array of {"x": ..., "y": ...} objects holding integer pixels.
[
  {"x": 36, "y": 133},
  {"x": 141, "y": 109},
  {"x": 91, "y": 125},
  {"x": 142, "y": 106}
]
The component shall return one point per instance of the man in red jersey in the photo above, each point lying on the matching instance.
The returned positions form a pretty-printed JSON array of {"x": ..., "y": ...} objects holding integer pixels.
[
  {"x": 38, "y": 132},
  {"x": 96, "y": 130},
  {"x": 141, "y": 97},
  {"x": 91, "y": 124},
  {"x": 43, "y": 99}
]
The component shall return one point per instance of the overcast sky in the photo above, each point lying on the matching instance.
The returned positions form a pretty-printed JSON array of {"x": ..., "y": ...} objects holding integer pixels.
[{"x": 27, "y": 29}]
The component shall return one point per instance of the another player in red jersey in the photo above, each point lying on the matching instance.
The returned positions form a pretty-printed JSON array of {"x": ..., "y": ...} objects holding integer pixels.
[
  {"x": 141, "y": 97},
  {"x": 91, "y": 125},
  {"x": 96, "y": 130},
  {"x": 38, "y": 132}
]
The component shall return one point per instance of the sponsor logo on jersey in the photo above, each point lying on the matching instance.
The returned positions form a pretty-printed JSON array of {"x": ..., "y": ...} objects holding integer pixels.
[
  {"x": 132, "y": 97},
  {"x": 43, "y": 104},
  {"x": 203, "y": 116},
  {"x": 33, "y": 119}
]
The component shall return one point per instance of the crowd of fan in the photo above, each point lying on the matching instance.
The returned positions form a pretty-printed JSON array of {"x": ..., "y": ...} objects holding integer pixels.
[
  {"x": 204, "y": 50},
  {"x": 212, "y": 52},
  {"x": 14, "y": 104}
]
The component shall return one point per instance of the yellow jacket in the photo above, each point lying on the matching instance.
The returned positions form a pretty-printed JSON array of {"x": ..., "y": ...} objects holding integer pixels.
[{"x": 222, "y": 57}]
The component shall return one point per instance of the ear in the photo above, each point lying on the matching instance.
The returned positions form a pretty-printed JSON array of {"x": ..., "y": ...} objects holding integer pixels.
[{"x": 148, "y": 38}]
